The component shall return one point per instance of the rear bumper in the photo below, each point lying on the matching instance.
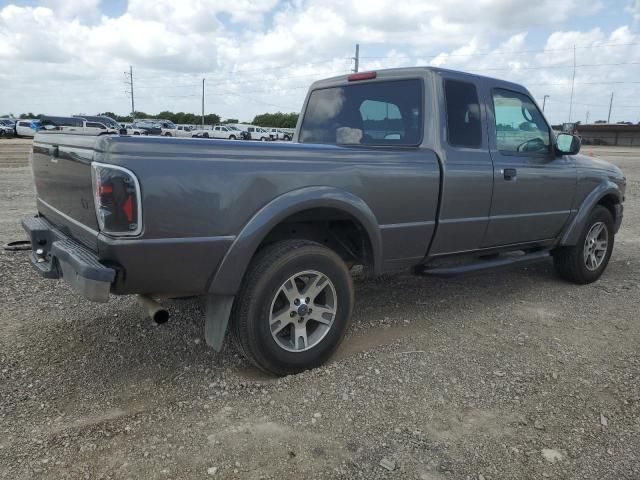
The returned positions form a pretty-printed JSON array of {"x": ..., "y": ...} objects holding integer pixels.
[{"x": 55, "y": 255}]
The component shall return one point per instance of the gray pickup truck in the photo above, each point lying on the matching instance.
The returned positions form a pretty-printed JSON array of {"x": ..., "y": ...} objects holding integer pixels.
[{"x": 422, "y": 169}]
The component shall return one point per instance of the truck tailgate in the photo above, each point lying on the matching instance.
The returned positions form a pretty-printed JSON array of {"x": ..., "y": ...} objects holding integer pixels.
[{"x": 62, "y": 175}]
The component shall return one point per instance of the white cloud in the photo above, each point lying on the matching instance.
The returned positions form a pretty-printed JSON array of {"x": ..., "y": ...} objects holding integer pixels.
[{"x": 66, "y": 57}]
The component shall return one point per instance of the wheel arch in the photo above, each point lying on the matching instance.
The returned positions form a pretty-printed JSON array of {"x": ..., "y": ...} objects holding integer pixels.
[
  {"x": 228, "y": 277},
  {"x": 607, "y": 194}
]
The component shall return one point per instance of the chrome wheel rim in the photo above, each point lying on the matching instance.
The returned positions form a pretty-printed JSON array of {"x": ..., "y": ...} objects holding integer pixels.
[
  {"x": 595, "y": 246},
  {"x": 302, "y": 311}
]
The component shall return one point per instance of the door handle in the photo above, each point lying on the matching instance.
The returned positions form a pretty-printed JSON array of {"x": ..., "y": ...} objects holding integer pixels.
[{"x": 509, "y": 173}]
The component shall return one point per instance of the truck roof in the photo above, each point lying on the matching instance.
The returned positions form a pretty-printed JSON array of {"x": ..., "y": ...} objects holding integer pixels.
[{"x": 400, "y": 73}]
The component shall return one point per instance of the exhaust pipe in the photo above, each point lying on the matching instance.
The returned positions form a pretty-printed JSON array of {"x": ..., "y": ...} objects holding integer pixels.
[{"x": 156, "y": 312}]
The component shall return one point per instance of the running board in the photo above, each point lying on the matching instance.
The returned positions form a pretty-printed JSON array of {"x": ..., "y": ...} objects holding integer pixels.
[{"x": 483, "y": 265}]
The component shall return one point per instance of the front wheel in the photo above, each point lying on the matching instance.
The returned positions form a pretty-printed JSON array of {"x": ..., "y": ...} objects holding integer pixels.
[
  {"x": 167, "y": 134},
  {"x": 586, "y": 261},
  {"x": 294, "y": 307},
  {"x": 232, "y": 137}
]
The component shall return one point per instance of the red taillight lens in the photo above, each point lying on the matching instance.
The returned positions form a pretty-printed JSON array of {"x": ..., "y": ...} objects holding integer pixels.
[
  {"x": 127, "y": 208},
  {"x": 117, "y": 199},
  {"x": 354, "y": 77}
]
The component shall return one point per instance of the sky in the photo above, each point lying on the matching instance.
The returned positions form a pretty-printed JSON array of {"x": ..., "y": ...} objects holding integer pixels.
[{"x": 63, "y": 57}]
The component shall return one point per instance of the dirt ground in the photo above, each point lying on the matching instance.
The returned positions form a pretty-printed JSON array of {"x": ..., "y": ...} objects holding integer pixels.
[{"x": 511, "y": 374}]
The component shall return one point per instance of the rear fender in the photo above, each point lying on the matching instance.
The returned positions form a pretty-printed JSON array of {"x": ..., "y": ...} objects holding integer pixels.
[{"x": 227, "y": 279}]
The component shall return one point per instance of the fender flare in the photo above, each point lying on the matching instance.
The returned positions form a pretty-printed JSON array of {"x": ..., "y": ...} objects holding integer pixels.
[
  {"x": 229, "y": 275},
  {"x": 575, "y": 227}
]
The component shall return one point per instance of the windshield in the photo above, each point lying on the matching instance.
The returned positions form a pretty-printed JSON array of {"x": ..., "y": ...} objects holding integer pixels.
[{"x": 374, "y": 113}]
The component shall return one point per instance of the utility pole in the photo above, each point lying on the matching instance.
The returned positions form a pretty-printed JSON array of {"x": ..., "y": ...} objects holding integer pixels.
[
  {"x": 357, "y": 58},
  {"x": 544, "y": 101},
  {"x": 586, "y": 120},
  {"x": 203, "y": 103},
  {"x": 130, "y": 91},
  {"x": 610, "y": 105},
  {"x": 573, "y": 81}
]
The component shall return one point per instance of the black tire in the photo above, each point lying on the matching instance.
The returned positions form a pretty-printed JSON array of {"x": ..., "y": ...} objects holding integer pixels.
[
  {"x": 232, "y": 137},
  {"x": 136, "y": 133},
  {"x": 251, "y": 314},
  {"x": 569, "y": 261},
  {"x": 205, "y": 135}
]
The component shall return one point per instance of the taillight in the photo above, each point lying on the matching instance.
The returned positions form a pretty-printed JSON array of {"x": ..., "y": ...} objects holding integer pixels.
[
  {"x": 116, "y": 194},
  {"x": 354, "y": 77}
]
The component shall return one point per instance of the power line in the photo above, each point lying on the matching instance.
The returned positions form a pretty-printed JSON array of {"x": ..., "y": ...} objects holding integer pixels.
[{"x": 496, "y": 52}]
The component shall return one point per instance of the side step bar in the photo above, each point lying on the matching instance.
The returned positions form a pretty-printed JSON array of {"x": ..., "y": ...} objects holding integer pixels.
[{"x": 481, "y": 265}]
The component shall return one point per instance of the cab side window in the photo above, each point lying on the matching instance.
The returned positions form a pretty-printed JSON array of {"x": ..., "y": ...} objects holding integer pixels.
[
  {"x": 464, "y": 127},
  {"x": 520, "y": 127}
]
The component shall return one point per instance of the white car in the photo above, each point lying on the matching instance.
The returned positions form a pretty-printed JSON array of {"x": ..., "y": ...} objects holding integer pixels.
[
  {"x": 222, "y": 131},
  {"x": 258, "y": 133},
  {"x": 27, "y": 128},
  {"x": 131, "y": 130},
  {"x": 170, "y": 129},
  {"x": 275, "y": 133}
]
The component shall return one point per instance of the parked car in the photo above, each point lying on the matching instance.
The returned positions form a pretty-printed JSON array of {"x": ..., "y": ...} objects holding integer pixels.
[
  {"x": 221, "y": 131},
  {"x": 107, "y": 121},
  {"x": 403, "y": 169},
  {"x": 27, "y": 128},
  {"x": 6, "y": 131},
  {"x": 239, "y": 134},
  {"x": 76, "y": 125},
  {"x": 274, "y": 133},
  {"x": 129, "y": 129},
  {"x": 287, "y": 134},
  {"x": 150, "y": 127},
  {"x": 258, "y": 133},
  {"x": 170, "y": 129},
  {"x": 7, "y": 127}
]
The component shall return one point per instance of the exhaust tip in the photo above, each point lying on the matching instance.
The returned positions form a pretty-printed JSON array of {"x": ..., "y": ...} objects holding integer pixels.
[
  {"x": 155, "y": 311},
  {"x": 161, "y": 316}
]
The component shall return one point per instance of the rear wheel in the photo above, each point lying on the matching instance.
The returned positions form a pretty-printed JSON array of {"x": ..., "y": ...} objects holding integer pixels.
[
  {"x": 294, "y": 307},
  {"x": 232, "y": 137},
  {"x": 586, "y": 261},
  {"x": 167, "y": 134}
]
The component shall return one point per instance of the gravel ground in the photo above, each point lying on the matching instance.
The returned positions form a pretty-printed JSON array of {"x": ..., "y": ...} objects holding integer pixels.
[{"x": 512, "y": 374}]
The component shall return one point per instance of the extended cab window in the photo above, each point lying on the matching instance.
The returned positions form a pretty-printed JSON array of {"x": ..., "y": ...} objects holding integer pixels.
[
  {"x": 464, "y": 128},
  {"x": 376, "y": 113},
  {"x": 520, "y": 126}
]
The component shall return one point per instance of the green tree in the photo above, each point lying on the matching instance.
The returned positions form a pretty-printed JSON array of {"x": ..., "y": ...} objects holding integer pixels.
[{"x": 278, "y": 120}]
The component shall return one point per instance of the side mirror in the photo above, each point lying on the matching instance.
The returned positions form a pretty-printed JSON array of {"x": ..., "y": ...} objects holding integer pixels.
[{"x": 567, "y": 144}]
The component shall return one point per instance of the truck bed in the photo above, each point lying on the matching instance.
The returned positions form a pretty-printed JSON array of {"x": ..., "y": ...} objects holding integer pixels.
[{"x": 199, "y": 194}]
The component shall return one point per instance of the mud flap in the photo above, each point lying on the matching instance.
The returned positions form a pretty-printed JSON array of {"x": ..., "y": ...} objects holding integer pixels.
[{"x": 217, "y": 312}]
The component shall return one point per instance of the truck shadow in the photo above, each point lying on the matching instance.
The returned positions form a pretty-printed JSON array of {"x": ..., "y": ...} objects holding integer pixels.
[{"x": 120, "y": 355}]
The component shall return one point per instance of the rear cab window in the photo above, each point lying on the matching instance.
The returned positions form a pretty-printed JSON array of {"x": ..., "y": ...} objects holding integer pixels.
[
  {"x": 464, "y": 125},
  {"x": 384, "y": 112}
]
